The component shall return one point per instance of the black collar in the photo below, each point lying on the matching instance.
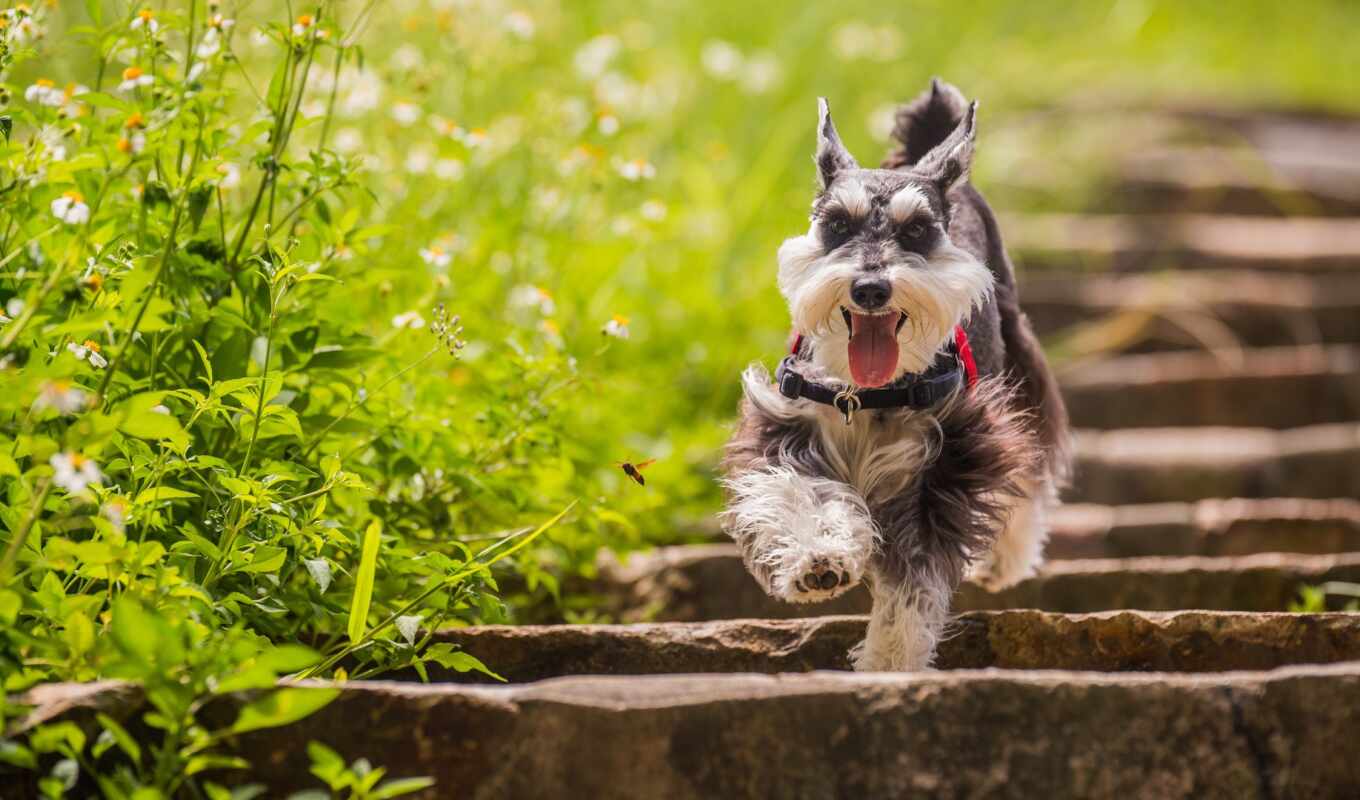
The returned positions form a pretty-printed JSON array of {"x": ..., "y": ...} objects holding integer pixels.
[{"x": 919, "y": 390}]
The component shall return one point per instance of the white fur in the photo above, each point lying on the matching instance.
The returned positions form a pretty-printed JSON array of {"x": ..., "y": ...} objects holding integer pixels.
[
  {"x": 906, "y": 202},
  {"x": 904, "y": 626},
  {"x": 853, "y": 197},
  {"x": 937, "y": 294},
  {"x": 1018, "y": 551},
  {"x": 791, "y": 524}
]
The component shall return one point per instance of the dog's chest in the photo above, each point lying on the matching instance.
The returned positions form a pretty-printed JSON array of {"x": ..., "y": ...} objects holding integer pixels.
[{"x": 878, "y": 453}]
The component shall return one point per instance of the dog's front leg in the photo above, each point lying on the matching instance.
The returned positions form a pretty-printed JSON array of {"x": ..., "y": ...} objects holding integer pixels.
[
  {"x": 906, "y": 622},
  {"x": 806, "y": 539}
]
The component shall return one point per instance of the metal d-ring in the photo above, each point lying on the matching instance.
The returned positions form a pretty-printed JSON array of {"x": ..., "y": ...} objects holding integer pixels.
[{"x": 851, "y": 402}]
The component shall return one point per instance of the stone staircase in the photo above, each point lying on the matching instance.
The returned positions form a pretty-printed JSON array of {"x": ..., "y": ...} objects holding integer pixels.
[{"x": 1219, "y": 471}]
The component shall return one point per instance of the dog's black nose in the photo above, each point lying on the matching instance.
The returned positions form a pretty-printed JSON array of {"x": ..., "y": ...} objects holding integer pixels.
[{"x": 870, "y": 293}]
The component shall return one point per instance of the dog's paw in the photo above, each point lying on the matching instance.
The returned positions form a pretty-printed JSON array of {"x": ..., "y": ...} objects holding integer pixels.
[
  {"x": 995, "y": 571},
  {"x": 815, "y": 578}
]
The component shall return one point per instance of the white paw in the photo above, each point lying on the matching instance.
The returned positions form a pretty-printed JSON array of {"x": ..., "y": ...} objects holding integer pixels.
[
  {"x": 815, "y": 577},
  {"x": 996, "y": 571}
]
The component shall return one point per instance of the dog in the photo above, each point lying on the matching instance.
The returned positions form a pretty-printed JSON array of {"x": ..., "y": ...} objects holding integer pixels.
[{"x": 915, "y": 430}]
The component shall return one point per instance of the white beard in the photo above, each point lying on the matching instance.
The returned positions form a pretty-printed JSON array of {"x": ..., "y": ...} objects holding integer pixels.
[{"x": 936, "y": 293}]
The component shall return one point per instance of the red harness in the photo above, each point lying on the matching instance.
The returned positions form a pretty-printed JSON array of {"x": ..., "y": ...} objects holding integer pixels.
[{"x": 961, "y": 346}]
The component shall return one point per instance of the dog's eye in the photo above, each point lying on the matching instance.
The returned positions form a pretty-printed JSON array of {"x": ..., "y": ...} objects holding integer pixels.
[
  {"x": 915, "y": 231},
  {"x": 835, "y": 231}
]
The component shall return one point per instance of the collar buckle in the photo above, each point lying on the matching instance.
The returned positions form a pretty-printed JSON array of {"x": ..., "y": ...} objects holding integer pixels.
[{"x": 848, "y": 402}]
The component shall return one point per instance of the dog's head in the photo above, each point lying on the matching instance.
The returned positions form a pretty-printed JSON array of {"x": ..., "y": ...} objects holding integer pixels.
[{"x": 876, "y": 284}]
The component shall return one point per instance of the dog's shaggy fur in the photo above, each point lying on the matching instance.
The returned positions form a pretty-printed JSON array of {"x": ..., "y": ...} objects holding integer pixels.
[{"x": 905, "y": 499}]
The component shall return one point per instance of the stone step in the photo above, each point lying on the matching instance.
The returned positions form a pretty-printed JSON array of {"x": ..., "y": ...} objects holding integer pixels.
[
  {"x": 995, "y": 733},
  {"x": 1182, "y": 641},
  {"x": 1094, "y": 243},
  {"x": 1212, "y": 308},
  {"x": 707, "y": 582},
  {"x": 1243, "y": 180},
  {"x": 1275, "y": 387},
  {"x": 1205, "y": 528},
  {"x": 1155, "y": 465}
]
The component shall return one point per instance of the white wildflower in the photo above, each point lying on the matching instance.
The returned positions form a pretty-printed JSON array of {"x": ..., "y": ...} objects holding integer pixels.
[
  {"x": 436, "y": 256},
  {"x": 593, "y": 57},
  {"x": 43, "y": 92},
  {"x": 653, "y": 210},
  {"x": 115, "y": 511},
  {"x": 762, "y": 73},
  {"x": 532, "y": 297},
  {"x": 408, "y": 319},
  {"x": 88, "y": 350},
  {"x": 406, "y": 113},
  {"x": 231, "y": 175},
  {"x": 70, "y": 208},
  {"x": 73, "y": 471},
  {"x": 520, "y": 24},
  {"x": 145, "y": 20},
  {"x": 448, "y": 169},
  {"x": 617, "y": 327},
  {"x": 720, "y": 59},
  {"x": 63, "y": 396},
  {"x": 637, "y": 169},
  {"x": 133, "y": 78}
]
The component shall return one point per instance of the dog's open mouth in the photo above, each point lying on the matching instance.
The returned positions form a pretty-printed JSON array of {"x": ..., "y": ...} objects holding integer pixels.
[{"x": 873, "y": 345}]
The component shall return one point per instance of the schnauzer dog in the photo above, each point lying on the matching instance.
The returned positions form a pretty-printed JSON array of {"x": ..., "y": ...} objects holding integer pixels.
[{"x": 915, "y": 429}]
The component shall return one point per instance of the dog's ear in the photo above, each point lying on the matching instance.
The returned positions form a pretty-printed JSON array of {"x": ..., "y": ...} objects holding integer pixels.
[
  {"x": 948, "y": 162},
  {"x": 832, "y": 157}
]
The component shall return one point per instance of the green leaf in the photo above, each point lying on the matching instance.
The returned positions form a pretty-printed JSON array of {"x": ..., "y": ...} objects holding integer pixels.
[
  {"x": 16, "y": 755},
  {"x": 363, "y": 580},
  {"x": 51, "y": 738},
  {"x": 6, "y": 125},
  {"x": 282, "y": 707},
  {"x": 158, "y": 493},
  {"x": 445, "y": 656},
  {"x": 399, "y": 787},
  {"x": 274, "y": 96},
  {"x": 289, "y": 658},
  {"x": 10, "y": 603},
  {"x": 143, "y": 637},
  {"x": 266, "y": 558},
  {"x": 204, "y": 761},
  {"x": 79, "y": 633},
  {"x": 120, "y": 736}
]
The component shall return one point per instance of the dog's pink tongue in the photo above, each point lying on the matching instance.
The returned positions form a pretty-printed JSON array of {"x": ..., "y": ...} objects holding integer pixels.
[{"x": 873, "y": 349}]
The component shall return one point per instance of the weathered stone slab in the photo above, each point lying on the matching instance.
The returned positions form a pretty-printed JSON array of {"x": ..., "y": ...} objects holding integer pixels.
[
  {"x": 1186, "y": 641},
  {"x": 1282, "y": 182},
  {"x": 708, "y": 582},
  {"x": 1153, "y": 465},
  {"x": 1095, "y": 243},
  {"x": 1284, "y": 733},
  {"x": 1194, "y": 310},
  {"x": 1278, "y": 387},
  {"x": 1205, "y": 528}
]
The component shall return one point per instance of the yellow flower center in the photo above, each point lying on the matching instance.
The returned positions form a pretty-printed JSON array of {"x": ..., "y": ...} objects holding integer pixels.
[
  {"x": 74, "y": 197},
  {"x": 132, "y": 73},
  {"x": 305, "y": 20},
  {"x": 619, "y": 319},
  {"x": 44, "y": 82},
  {"x": 91, "y": 345},
  {"x": 146, "y": 15},
  {"x": 134, "y": 121},
  {"x": 77, "y": 460}
]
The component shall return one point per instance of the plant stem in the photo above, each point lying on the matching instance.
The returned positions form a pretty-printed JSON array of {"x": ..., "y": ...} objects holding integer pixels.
[{"x": 21, "y": 535}]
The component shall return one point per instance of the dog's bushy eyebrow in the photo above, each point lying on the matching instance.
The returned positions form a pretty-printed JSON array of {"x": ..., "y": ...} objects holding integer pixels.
[{"x": 851, "y": 200}]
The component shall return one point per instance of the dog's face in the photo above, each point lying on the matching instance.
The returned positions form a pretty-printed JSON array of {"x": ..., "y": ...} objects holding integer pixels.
[{"x": 876, "y": 284}]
